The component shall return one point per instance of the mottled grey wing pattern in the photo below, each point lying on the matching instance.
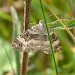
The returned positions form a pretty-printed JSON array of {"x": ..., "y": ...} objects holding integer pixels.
[{"x": 36, "y": 39}]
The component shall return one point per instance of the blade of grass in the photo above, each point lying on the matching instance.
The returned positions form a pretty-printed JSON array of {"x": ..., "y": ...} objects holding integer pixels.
[
  {"x": 16, "y": 32},
  {"x": 49, "y": 38},
  {"x": 56, "y": 24},
  {"x": 66, "y": 28}
]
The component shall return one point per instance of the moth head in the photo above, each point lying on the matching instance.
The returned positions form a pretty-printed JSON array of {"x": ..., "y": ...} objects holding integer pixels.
[{"x": 26, "y": 35}]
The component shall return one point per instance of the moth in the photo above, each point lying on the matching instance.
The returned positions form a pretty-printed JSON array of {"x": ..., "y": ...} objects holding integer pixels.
[{"x": 36, "y": 39}]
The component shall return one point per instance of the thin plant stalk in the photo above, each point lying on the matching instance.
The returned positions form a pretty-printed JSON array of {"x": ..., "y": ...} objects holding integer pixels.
[
  {"x": 49, "y": 38},
  {"x": 27, "y": 25},
  {"x": 24, "y": 63},
  {"x": 65, "y": 27}
]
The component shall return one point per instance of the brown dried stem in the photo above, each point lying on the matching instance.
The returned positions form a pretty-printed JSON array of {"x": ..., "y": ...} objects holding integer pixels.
[{"x": 27, "y": 25}]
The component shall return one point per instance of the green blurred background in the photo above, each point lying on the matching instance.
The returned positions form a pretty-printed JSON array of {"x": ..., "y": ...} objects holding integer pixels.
[{"x": 39, "y": 63}]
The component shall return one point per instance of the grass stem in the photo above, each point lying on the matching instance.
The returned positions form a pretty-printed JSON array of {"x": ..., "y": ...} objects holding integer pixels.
[{"x": 49, "y": 38}]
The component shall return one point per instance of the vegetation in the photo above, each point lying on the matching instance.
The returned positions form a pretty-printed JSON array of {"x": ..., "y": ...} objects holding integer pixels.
[{"x": 58, "y": 14}]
